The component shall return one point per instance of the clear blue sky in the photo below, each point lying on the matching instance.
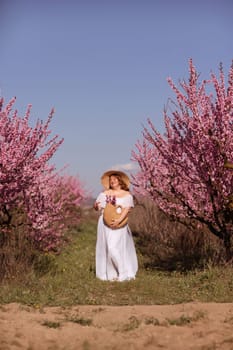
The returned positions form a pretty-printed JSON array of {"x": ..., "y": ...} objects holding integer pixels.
[{"x": 103, "y": 65}]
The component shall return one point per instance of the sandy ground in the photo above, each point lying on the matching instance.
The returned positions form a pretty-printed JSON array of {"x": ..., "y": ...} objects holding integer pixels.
[{"x": 184, "y": 326}]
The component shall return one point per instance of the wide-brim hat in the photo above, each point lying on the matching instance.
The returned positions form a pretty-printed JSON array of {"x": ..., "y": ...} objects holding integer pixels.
[{"x": 105, "y": 178}]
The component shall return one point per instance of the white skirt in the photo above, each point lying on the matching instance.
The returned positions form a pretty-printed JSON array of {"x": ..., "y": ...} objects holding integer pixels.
[{"x": 116, "y": 257}]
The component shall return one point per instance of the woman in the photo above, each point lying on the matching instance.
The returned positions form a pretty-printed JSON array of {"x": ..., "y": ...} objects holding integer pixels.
[{"x": 116, "y": 258}]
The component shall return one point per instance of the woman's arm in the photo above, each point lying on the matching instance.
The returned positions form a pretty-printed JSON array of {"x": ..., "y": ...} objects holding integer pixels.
[
  {"x": 124, "y": 213},
  {"x": 100, "y": 202},
  {"x": 96, "y": 206}
]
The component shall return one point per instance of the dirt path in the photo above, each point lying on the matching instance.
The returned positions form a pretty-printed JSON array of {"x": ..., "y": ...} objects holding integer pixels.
[{"x": 183, "y": 326}]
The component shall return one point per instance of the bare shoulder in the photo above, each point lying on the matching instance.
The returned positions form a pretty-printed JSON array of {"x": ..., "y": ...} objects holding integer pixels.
[{"x": 126, "y": 193}]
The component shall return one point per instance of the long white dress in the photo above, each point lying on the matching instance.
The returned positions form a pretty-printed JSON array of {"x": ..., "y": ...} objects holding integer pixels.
[{"x": 116, "y": 257}]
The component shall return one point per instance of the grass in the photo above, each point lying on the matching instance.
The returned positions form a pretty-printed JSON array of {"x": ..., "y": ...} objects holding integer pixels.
[
  {"x": 131, "y": 325},
  {"x": 69, "y": 279},
  {"x": 80, "y": 320},
  {"x": 51, "y": 324}
]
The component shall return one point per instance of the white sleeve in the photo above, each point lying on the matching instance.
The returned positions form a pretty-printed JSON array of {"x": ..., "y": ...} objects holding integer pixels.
[
  {"x": 128, "y": 201},
  {"x": 101, "y": 199}
]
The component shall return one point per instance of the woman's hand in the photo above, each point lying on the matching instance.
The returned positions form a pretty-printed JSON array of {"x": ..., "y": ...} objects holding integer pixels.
[
  {"x": 115, "y": 223},
  {"x": 96, "y": 206}
]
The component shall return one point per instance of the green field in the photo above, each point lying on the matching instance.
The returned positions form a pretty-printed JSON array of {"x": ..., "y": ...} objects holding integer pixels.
[{"x": 69, "y": 279}]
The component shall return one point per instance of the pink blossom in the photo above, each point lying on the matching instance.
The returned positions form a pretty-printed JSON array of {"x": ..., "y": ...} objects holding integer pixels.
[
  {"x": 183, "y": 170},
  {"x": 29, "y": 184}
]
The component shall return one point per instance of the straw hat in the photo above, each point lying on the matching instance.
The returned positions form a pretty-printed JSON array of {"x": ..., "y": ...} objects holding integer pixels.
[{"x": 105, "y": 178}]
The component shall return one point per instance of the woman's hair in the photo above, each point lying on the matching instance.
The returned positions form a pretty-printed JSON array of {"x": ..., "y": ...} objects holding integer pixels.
[{"x": 121, "y": 182}]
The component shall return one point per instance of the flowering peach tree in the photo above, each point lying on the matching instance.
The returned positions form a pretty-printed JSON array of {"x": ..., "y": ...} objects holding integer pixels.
[
  {"x": 183, "y": 170},
  {"x": 29, "y": 184}
]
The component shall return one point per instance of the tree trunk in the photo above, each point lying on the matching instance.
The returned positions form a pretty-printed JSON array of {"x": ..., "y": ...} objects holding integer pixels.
[{"x": 227, "y": 240}]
